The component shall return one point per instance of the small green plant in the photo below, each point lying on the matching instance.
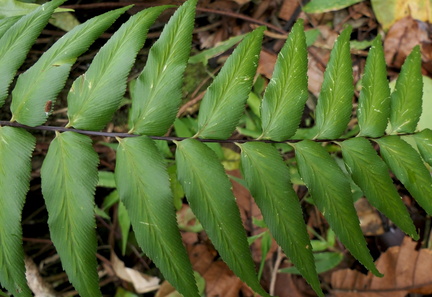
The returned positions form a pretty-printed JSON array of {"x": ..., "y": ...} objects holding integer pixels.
[{"x": 69, "y": 172}]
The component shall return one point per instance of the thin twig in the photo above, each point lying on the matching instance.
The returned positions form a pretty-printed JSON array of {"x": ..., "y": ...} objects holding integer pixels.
[
  {"x": 201, "y": 9},
  {"x": 276, "y": 266}
]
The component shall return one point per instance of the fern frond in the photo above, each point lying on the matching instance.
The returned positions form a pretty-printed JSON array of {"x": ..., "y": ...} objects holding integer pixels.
[
  {"x": 17, "y": 40},
  {"x": 370, "y": 173},
  {"x": 406, "y": 99},
  {"x": 424, "y": 144},
  {"x": 69, "y": 172},
  {"x": 44, "y": 80},
  {"x": 331, "y": 192},
  {"x": 374, "y": 102},
  {"x": 287, "y": 92},
  {"x": 157, "y": 92},
  {"x": 11, "y": 8},
  {"x": 96, "y": 95},
  {"x": 16, "y": 147},
  {"x": 69, "y": 177},
  {"x": 144, "y": 188},
  {"x": 208, "y": 191},
  {"x": 268, "y": 180},
  {"x": 405, "y": 162},
  {"x": 225, "y": 98},
  {"x": 334, "y": 106},
  {"x": 6, "y": 23}
]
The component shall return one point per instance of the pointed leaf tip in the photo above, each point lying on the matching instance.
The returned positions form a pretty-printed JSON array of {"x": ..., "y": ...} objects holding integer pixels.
[
  {"x": 406, "y": 99},
  {"x": 17, "y": 40},
  {"x": 157, "y": 92},
  {"x": 35, "y": 93},
  {"x": 287, "y": 92},
  {"x": 268, "y": 180},
  {"x": 370, "y": 173},
  {"x": 96, "y": 95},
  {"x": 68, "y": 186},
  {"x": 405, "y": 162},
  {"x": 209, "y": 194},
  {"x": 225, "y": 99},
  {"x": 144, "y": 188},
  {"x": 331, "y": 192},
  {"x": 334, "y": 106},
  {"x": 374, "y": 102}
]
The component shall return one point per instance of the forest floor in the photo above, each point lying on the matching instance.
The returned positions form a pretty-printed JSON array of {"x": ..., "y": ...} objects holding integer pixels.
[{"x": 123, "y": 273}]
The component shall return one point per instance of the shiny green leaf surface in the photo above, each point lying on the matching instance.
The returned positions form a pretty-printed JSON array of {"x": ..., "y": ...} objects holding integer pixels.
[
  {"x": 287, "y": 92},
  {"x": 96, "y": 95},
  {"x": 69, "y": 177},
  {"x": 16, "y": 147},
  {"x": 6, "y": 23},
  {"x": 208, "y": 191},
  {"x": 406, "y": 164},
  {"x": 406, "y": 99},
  {"x": 334, "y": 106},
  {"x": 268, "y": 180},
  {"x": 374, "y": 102},
  {"x": 224, "y": 101},
  {"x": 17, "y": 40},
  {"x": 157, "y": 92},
  {"x": 42, "y": 82},
  {"x": 424, "y": 144},
  {"x": 144, "y": 188},
  {"x": 331, "y": 192},
  {"x": 370, "y": 173}
]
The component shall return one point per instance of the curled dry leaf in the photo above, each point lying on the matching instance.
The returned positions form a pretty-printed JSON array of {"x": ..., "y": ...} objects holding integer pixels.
[
  {"x": 401, "y": 39},
  {"x": 405, "y": 269},
  {"x": 141, "y": 282},
  {"x": 37, "y": 284}
]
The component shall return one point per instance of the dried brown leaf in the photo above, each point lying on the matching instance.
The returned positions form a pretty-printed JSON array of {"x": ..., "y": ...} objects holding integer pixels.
[
  {"x": 405, "y": 269},
  {"x": 141, "y": 282},
  {"x": 401, "y": 39},
  {"x": 288, "y": 9},
  {"x": 266, "y": 64},
  {"x": 370, "y": 221}
]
